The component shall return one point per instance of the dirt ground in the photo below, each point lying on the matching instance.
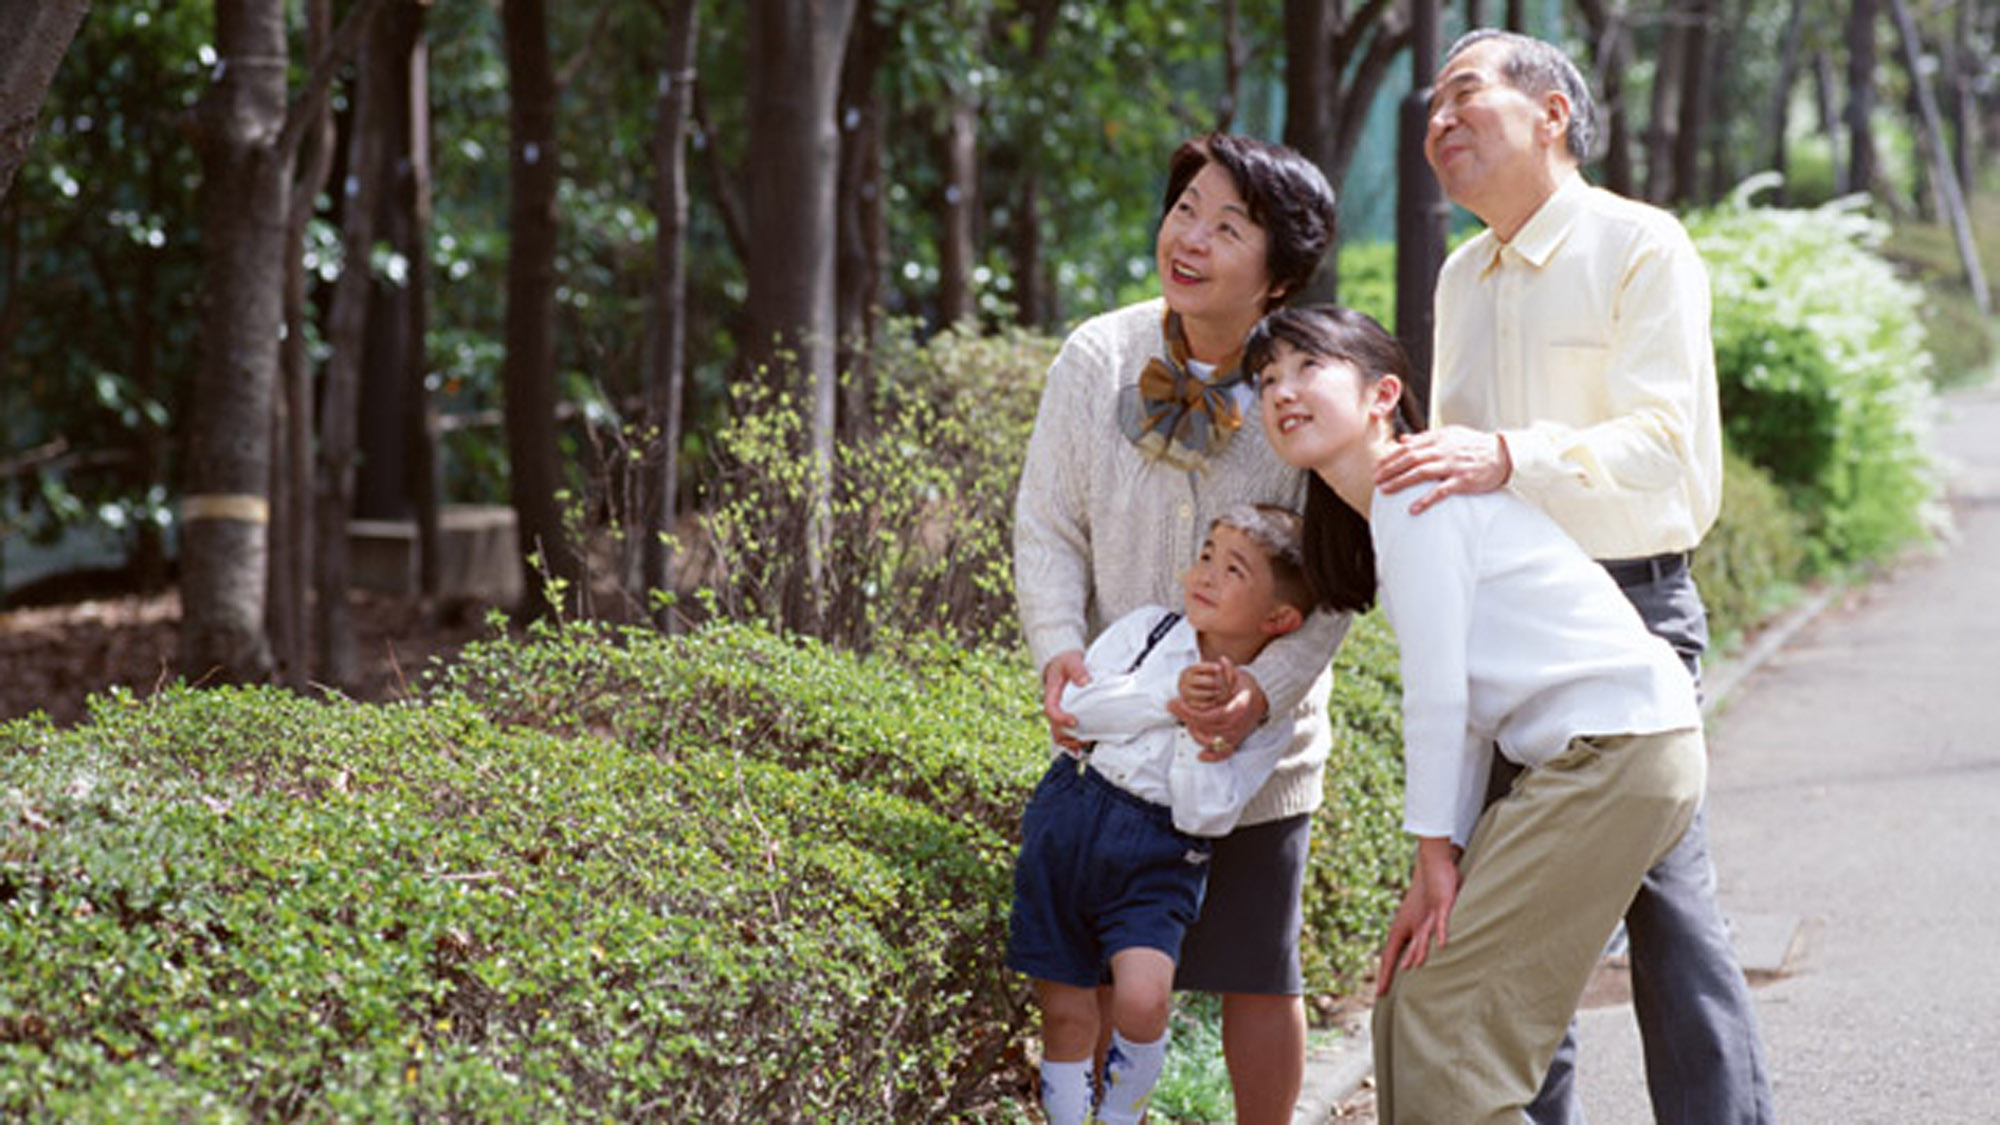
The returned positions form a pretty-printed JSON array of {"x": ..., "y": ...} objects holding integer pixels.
[{"x": 52, "y": 658}]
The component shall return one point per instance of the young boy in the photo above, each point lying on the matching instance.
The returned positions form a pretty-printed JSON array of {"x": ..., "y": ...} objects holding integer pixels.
[{"x": 1114, "y": 844}]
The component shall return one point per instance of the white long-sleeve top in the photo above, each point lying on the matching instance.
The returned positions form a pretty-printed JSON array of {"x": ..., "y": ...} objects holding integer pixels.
[
  {"x": 1510, "y": 634},
  {"x": 1100, "y": 530},
  {"x": 1142, "y": 749}
]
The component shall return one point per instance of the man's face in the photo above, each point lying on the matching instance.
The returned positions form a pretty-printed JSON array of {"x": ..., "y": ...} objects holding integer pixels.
[{"x": 1486, "y": 139}]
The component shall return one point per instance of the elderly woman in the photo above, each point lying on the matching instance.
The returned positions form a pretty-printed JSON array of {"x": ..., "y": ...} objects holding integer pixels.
[{"x": 1147, "y": 432}]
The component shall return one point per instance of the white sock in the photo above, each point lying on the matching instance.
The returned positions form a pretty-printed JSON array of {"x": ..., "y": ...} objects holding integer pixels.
[
  {"x": 1066, "y": 1092},
  {"x": 1130, "y": 1072}
]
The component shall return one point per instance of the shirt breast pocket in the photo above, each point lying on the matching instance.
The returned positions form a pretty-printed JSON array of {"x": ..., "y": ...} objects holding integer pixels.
[{"x": 1577, "y": 383}]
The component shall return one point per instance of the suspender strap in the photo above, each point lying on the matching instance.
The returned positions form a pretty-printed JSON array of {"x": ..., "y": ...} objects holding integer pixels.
[{"x": 1165, "y": 626}]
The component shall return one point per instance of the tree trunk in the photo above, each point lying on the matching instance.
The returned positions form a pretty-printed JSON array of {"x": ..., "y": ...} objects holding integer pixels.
[
  {"x": 346, "y": 336},
  {"x": 956, "y": 250},
  {"x": 1826, "y": 98},
  {"x": 529, "y": 371},
  {"x": 1663, "y": 122},
  {"x": 393, "y": 354},
  {"x": 420, "y": 431},
  {"x": 1611, "y": 53},
  {"x": 1932, "y": 131},
  {"x": 1693, "y": 107},
  {"x": 1861, "y": 95},
  {"x": 1780, "y": 121},
  {"x": 795, "y": 52},
  {"x": 863, "y": 246},
  {"x": 246, "y": 183},
  {"x": 1033, "y": 295},
  {"x": 669, "y": 371},
  {"x": 1961, "y": 109},
  {"x": 39, "y": 33},
  {"x": 1334, "y": 63},
  {"x": 292, "y": 476}
]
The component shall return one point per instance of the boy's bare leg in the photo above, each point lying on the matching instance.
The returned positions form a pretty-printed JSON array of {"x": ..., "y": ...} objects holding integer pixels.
[
  {"x": 1069, "y": 1020},
  {"x": 1264, "y": 1043},
  {"x": 1142, "y": 995}
]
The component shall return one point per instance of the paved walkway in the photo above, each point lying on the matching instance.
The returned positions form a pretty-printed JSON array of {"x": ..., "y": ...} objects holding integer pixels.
[{"x": 1855, "y": 820}]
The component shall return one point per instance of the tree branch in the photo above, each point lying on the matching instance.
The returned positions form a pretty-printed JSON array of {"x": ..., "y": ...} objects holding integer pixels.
[
  {"x": 568, "y": 70},
  {"x": 727, "y": 199},
  {"x": 312, "y": 96}
]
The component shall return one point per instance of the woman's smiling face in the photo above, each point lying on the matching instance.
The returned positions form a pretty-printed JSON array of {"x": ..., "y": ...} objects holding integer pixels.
[
  {"x": 1315, "y": 407},
  {"x": 1212, "y": 258}
]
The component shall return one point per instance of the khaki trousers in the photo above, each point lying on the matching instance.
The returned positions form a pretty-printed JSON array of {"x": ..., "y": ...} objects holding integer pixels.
[{"x": 1465, "y": 1038}]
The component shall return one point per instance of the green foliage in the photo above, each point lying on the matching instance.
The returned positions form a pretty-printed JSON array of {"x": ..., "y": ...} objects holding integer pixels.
[
  {"x": 99, "y": 273},
  {"x": 918, "y": 512},
  {"x": 1753, "y": 557},
  {"x": 1360, "y": 857},
  {"x": 597, "y": 878},
  {"x": 1823, "y": 367},
  {"x": 1368, "y": 280}
]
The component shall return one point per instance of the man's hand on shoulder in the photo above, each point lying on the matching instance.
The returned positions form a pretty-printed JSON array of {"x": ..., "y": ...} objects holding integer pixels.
[{"x": 1458, "y": 458}]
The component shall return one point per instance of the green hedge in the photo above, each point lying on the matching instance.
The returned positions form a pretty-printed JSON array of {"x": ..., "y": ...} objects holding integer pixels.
[
  {"x": 724, "y": 877},
  {"x": 1824, "y": 372}
]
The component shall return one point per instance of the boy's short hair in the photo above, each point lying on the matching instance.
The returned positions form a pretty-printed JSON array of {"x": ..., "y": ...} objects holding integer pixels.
[{"x": 1280, "y": 532}]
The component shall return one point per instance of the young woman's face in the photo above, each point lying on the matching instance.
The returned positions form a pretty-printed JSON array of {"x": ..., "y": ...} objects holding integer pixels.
[
  {"x": 1315, "y": 407},
  {"x": 1211, "y": 257}
]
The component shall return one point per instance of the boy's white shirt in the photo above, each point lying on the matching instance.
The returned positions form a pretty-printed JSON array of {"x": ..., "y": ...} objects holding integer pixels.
[{"x": 1143, "y": 749}]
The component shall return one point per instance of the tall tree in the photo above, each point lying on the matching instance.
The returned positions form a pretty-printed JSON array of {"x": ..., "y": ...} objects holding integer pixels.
[
  {"x": 1778, "y": 125},
  {"x": 1945, "y": 174},
  {"x": 1335, "y": 61},
  {"x": 1609, "y": 27},
  {"x": 249, "y": 138},
  {"x": 795, "y": 51},
  {"x": 347, "y": 325},
  {"x": 292, "y": 432},
  {"x": 245, "y": 187},
  {"x": 664, "y": 389},
  {"x": 529, "y": 371},
  {"x": 39, "y": 33},
  {"x": 1663, "y": 122},
  {"x": 862, "y": 254},
  {"x": 1861, "y": 95}
]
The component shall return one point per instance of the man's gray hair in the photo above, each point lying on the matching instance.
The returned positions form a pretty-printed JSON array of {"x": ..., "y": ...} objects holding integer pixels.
[
  {"x": 1279, "y": 533},
  {"x": 1535, "y": 68}
]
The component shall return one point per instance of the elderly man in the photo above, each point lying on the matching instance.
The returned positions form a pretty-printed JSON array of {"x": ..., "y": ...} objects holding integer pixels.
[{"x": 1574, "y": 366}]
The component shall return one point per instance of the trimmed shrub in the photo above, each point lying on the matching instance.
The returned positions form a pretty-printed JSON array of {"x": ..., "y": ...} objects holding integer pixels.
[
  {"x": 1824, "y": 372},
  {"x": 1360, "y": 859},
  {"x": 592, "y": 875},
  {"x": 1753, "y": 556}
]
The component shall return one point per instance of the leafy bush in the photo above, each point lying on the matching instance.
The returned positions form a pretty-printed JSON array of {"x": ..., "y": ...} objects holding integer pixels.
[
  {"x": 1823, "y": 369},
  {"x": 591, "y": 875},
  {"x": 1360, "y": 857},
  {"x": 1753, "y": 556},
  {"x": 242, "y": 903},
  {"x": 919, "y": 522}
]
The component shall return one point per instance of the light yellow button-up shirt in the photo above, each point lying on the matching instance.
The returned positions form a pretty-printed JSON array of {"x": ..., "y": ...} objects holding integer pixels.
[{"x": 1585, "y": 342}]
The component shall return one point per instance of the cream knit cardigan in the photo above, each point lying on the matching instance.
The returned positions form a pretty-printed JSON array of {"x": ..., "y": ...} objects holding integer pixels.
[{"x": 1101, "y": 530}]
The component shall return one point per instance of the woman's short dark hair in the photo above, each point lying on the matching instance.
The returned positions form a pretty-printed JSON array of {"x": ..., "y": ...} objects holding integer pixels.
[
  {"x": 1339, "y": 554},
  {"x": 1287, "y": 195}
]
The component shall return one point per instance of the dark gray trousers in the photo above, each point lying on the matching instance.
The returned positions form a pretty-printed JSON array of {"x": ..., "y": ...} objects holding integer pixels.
[{"x": 1704, "y": 1056}]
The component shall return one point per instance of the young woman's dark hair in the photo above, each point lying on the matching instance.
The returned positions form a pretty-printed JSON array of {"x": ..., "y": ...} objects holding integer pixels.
[
  {"x": 1287, "y": 195},
  {"x": 1339, "y": 554}
]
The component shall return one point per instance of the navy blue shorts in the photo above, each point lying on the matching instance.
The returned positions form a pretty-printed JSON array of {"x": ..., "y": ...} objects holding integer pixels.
[{"x": 1100, "y": 871}]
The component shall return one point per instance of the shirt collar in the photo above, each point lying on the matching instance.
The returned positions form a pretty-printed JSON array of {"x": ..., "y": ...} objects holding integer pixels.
[{"x": 1538, "y": 239}]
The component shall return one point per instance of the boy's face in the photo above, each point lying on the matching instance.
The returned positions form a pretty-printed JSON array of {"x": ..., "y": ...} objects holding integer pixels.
[{"x": 1230, "y": 590}]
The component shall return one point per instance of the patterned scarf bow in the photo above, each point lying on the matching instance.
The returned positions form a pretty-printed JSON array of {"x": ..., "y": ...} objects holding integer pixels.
[{"x": 1176, "y": 416}]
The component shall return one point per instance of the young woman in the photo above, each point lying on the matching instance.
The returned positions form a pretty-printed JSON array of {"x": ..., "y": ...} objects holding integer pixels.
[
  {"x": 1509, "y": 635},
  {"x": 1147, "y": 432}
]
